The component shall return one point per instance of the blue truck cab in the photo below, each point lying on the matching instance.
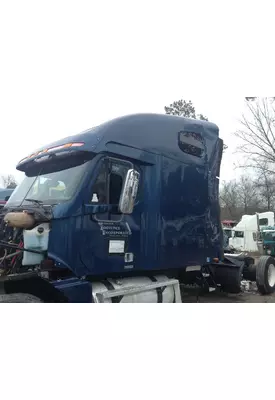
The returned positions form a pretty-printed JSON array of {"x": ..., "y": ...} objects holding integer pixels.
[{"x": 134, "y": 198}]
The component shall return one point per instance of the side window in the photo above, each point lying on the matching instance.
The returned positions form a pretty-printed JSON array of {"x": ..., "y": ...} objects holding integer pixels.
[
  {"x": 100, "y": 188},
  {"x": 118, "y": 172},
  {"x": 239, "y": 234},
  {"x": 191, "y": 143},
  {"x": 108, "y": 186},
  {"x": 263, "y": 221}
]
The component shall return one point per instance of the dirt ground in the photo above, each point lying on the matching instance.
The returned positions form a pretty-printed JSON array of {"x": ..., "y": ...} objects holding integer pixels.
[{"x": 249, "y": 294}]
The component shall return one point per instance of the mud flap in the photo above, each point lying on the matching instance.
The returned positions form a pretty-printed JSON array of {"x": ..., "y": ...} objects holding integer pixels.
[{"x": 228, "y": 276}]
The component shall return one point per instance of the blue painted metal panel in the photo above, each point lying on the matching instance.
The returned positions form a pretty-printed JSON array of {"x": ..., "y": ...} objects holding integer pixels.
[
  {"x": 176, "y": 221},
  {"x": 76, "y": 290}
]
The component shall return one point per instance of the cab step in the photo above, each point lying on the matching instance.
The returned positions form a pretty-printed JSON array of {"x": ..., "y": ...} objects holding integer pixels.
[{"x": 206, "y": 280}]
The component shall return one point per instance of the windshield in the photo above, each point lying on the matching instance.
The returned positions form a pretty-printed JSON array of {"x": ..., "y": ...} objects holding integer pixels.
[
  {"x": 228, "y": 232},
  {"x": 49, "y": 188}
]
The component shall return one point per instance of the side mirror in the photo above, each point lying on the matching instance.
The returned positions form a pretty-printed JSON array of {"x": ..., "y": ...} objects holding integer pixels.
[
  {"x": 129, "y": 192},
  {"x": 259, "y": 236}
]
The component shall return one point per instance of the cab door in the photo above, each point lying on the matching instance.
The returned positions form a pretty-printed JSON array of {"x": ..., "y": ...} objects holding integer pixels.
[{"x": 110, "y": 239}]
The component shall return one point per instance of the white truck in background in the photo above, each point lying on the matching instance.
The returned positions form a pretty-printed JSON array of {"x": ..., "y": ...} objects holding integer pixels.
[{"x": 245, "y": 233}]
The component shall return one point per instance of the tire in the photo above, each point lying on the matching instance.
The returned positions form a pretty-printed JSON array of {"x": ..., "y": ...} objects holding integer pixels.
[
  {"x": 19, "y": 298},
  {"x": 265, "y": 275}
]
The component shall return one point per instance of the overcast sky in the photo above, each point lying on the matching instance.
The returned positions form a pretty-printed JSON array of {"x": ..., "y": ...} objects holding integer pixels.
[{"x": 67, "y": 66}]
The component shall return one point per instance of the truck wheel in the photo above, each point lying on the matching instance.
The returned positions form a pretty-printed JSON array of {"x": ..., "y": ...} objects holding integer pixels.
[
  {"x": 265, "y": 275},
  {"x": 19, "y": 298}
]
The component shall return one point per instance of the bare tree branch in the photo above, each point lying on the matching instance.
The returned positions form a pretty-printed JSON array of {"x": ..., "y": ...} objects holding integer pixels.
[
  {"x": 9, "y": 181},
  {"x": 258, "y": 130},
  {"x": 249, "y": 194}
]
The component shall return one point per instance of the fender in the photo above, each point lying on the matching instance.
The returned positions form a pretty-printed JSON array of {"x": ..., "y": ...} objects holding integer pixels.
[
  {"x": 239, "y": 259},
  {"x": 32, "y": 283}
]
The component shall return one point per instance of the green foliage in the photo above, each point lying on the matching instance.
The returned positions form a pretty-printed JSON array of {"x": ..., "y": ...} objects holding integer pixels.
[{"x": 183, "y": 108}]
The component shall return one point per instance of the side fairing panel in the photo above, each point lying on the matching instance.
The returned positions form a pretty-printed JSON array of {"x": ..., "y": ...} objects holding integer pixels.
[
  {"x": 189, "y": 211},
  {"x": 214, "y": 226},
  {"x": 183, "y": 213}
]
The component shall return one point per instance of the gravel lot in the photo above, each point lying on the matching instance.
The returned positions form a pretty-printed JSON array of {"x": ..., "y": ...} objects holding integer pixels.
[
  {"x": 247, "y": 296},
  {"x": 251, "y": 296}
]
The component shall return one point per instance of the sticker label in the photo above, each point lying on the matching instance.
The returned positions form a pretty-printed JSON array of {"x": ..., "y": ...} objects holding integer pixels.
[
  {"x": 118, "y": 229},
  {"x": 116, "y": 246}
]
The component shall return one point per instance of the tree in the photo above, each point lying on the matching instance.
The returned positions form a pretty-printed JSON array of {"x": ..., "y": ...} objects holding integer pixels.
[
  {"x": 243, "y": 196},
  {"x": 186, "y": 109},
  {"x": 247, "y": 193},
  {"x": 257, "y": 133},
  {"x": 9, "y": 181},
  {"x": 266, "y": 187},
  {"x": 229, "y": 199},
  {"x": 254, "y": 98}
]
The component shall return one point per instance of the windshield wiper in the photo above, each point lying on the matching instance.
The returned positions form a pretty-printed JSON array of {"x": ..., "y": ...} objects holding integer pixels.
[
  {"x": 42, "y": 210},
  {"x": 39, "y": 202}
]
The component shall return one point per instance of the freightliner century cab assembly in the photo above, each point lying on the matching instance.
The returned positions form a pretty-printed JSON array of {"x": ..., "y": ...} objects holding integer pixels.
[{"x": 126, "y": 211}]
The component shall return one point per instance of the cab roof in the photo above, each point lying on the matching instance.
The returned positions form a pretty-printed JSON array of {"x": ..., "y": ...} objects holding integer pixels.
[{"x": 153, "y": 133}]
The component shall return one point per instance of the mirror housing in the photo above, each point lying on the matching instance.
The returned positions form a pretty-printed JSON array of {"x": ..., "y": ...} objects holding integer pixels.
[{"x": 129, "y": 192}]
